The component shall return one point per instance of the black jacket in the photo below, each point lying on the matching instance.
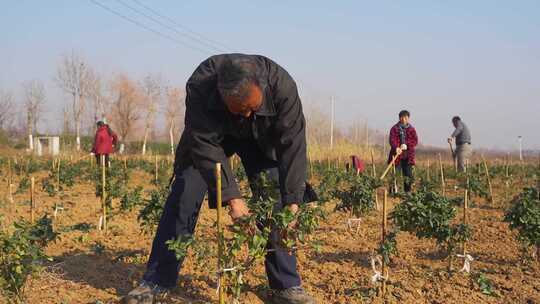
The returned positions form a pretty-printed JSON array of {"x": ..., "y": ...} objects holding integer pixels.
[{"x": 278, "y": 128}]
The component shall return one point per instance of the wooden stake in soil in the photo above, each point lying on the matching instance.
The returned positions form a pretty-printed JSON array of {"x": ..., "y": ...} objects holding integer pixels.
[
  {"x": 443, "y": 186},
  {"x": 32, "y": 199},
  {"x": 488, "y": 180},
  {"x": 58, "y": 176},
  {"x": 465, "y": 207},
  {"x": 219, "y": 233},
  {"x": 157, "y": 167},
  {"x": 373, "y": 164},
  {"x": 506, "y": 177},
  {"x": 10, "y": 182},
  {"x": 103, "y": 194},
  {"x": 428, "y": 171},
  {"x": 384, "y": 228}
]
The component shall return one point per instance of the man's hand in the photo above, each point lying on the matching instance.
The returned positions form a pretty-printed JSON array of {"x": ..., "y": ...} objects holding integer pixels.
[
  {"x": 450, "y": 140},
  {"x": 293, "y": 207},
  {"x": 238, "y": 208},
  {"x": 403, "y": 147}
]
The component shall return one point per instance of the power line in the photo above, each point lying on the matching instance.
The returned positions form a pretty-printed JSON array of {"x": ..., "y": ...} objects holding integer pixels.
[
  {"x": 185, "y": 28},
  {"x": 137, "y": 23},
  {"x": 168, "y": 26}
]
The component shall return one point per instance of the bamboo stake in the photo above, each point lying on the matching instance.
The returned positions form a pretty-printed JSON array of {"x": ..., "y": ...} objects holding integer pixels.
[
  {"x": 103, "y": 194},
  {"x": 156, "y": 165},
  {"x": 377, "y": 199},
  {"x": 454, "y": 156},
  {"x": 506, "y": 175},
  {"x": 428, "y": 172},
  {"x": 465, "y": 207},
  {"x": 328, "y": 161},
  {"x": 384, "y": 228},
  {"x": 488, "y": 180},
  {"x": 443, "y": 186},
  {"x": 219, "y": 232},
  {"x": 10, "y": 182},
  {"x": 373, "y": 164},
  {"x": 58, "y": 175},
  {"x": 32, "y": 199}
]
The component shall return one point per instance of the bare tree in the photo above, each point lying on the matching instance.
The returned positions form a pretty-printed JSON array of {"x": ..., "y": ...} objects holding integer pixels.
[
  {"x": 73, "y": 77},
  {"x": 151, "y": 86},
  {"x": 125, "y": 103},
  {"x": 6, "y": 110},
  {"x": 34, "y": 93},
  {"x": 174, "y": 110},
  {"x": 96, "y": 95},
  {"x": 318, "y": 125}
]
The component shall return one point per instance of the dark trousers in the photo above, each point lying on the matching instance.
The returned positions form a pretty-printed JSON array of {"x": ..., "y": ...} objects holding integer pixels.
[
  {"x": 407, "y": 170},
  {"x": 180, "y": 218},
  {"x": 98, "y": 159}
]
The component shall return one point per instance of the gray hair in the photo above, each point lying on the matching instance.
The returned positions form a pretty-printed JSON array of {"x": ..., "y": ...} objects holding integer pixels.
[{"x": 235, "y": 76}]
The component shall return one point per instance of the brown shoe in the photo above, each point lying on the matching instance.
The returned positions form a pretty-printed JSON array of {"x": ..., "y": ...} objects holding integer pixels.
[
  {"x": 293, "y": 295},
  {"x": 145, "y": 293}
]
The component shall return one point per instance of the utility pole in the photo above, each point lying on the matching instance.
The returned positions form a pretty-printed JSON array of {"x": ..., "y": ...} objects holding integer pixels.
[{"x": 332, "y": 125}]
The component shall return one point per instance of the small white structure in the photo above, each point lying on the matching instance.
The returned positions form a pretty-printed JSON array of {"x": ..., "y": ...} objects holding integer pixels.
[{"x": 47, "y": 145}]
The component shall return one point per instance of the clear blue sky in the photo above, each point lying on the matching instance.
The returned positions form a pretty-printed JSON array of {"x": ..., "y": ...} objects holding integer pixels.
[{"x": 478, "y": 59}]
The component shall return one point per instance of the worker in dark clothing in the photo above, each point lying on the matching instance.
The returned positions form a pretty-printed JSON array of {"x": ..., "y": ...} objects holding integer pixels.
[
  {"x": 243, "y": 104},
  {"x": 403, "y": 141}
]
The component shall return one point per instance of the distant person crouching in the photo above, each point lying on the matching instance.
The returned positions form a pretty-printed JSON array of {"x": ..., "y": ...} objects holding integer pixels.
[
  {"x": 104, "y": 142},
  {"x": 462, "y": 136}
]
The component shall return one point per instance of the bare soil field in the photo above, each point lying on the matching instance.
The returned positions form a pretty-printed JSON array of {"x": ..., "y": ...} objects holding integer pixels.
[{"x": 89, "y": 266}]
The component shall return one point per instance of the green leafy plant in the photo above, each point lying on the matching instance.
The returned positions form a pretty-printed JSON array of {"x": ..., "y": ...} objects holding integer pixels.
[
  {"x": 114, "y": 189},
  {"x": 150, "y": 214},
  {"x": 475, "y": 183},
  {"x": 48, "y": 186},
  {"x": 428, "y": 214},
  {"x": 358, "y": 195},
  {"x": 485, "y": 285},
  {"x": 295, "y": 228},
  {"x": 245, "y": 242},
  {"x": 131, "y": 199},
  {"x": 524, "y": 216},
  {"x": 330, "y": 180},
  {"x": 24, "y": 185},
  {"x": 21, "y": 255},
  {"x": 388, "y": 248}
]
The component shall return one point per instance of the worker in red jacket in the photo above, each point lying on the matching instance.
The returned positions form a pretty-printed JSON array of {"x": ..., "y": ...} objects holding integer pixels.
[
  {"x": 104, "y": 142},
  {"x": 403, "y": 141}
]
